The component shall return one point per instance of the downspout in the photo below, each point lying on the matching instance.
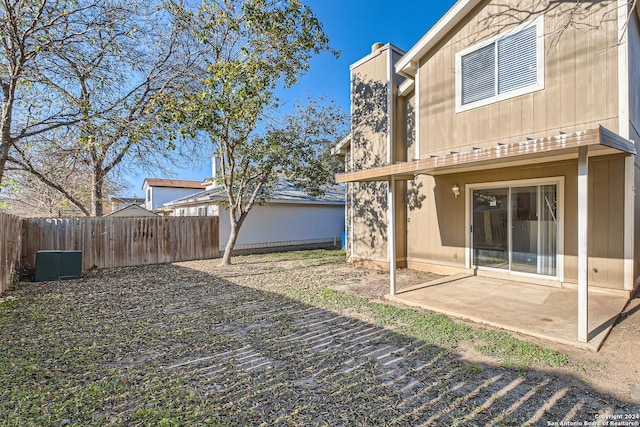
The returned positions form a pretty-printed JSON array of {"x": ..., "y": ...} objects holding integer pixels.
[
  {"x": 391, "y": 214},
  {"x": 416, "y": 109}
]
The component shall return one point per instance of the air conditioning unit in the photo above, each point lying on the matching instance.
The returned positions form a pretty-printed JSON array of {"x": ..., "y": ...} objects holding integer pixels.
[{"x": 58, "y": 265}]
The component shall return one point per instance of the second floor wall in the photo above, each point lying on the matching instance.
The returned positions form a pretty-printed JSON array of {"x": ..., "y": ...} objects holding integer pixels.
[
  {"x": 577, "y": 85},
  {"x": 576, "y": 88},
  {"x": 373, "y": 86}
]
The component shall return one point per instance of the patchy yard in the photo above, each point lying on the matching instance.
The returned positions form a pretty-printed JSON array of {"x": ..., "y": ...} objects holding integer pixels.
[{"x": 286, "y": 339}]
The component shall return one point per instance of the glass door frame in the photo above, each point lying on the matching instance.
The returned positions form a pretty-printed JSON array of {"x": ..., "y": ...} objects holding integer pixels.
[{"x": 469, "y": 188}]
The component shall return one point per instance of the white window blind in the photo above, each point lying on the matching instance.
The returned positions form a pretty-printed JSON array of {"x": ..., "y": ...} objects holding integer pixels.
[
  {"x": 505, "y": 65},
  {"x": 478, "y": 75},
  {"x": 517, "y": 64}
]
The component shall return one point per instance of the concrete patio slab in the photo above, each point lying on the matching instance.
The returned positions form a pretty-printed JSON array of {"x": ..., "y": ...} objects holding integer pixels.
[{"x": 540, "y": 311}]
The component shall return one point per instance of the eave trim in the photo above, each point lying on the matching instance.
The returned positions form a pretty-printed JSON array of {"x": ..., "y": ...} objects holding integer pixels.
[{"x": 600, "y": 141}]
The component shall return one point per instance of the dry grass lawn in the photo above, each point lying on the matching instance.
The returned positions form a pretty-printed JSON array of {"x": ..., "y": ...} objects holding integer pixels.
[{"x": 284, "y": 339}]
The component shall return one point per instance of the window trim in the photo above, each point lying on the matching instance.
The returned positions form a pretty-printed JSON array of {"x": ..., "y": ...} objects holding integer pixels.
[{"x": 539, "y": 85}]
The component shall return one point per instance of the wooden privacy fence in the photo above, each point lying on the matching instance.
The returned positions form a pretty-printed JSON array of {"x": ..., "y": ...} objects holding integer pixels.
[
  {"x": 9, "y": 249},
  {"x": 122, "y": 242}
]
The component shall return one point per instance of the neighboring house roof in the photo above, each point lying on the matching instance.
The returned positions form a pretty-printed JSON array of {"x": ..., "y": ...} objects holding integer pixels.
[
  {"x": 130, "y": 200},
  {"x": 284, "y": 192},
  {"x": 175, "y": 183},
  {"x": 131, "y": 211}
]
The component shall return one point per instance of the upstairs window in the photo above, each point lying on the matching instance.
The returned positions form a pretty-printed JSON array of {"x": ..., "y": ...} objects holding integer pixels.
[{"x": 502, "y": 67}]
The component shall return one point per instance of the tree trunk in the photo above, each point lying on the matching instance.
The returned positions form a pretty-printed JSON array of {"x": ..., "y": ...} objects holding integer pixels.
[
  {"x": 4, "y": 155},
  {"x": 233, "y": 236},
  {"x": 5, "y": 125},
  {"x": 97, "y": 193}
]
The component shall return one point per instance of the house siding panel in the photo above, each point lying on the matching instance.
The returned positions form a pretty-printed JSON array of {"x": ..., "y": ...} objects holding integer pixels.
[
  {"x": 577, "y": 63},
  {"x": 369, "y": 130},
  {"x": 437, "y": 229},
  {"x": 162, "y": 195},
  {"x": 580, "y": 92}
]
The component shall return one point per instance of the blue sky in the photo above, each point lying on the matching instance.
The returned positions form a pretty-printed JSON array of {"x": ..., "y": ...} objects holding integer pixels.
[{"x": 352, "y": 26}]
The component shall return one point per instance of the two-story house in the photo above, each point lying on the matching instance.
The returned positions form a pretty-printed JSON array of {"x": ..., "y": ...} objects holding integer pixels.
[{"x": 502, "y": 144}]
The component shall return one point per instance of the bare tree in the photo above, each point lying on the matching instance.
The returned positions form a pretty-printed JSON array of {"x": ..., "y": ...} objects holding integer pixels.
[
  {"x": 30, "y": 195},
  {"x": 569, "y": 14},
  {"x": 115, "y": 77},
  {"x": 29, "y": 31}
]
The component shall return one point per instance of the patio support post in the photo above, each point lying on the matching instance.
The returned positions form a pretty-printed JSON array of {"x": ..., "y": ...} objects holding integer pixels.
[
  {"x": 583, "y": 192},
  {"x": 391, "y": 234}
]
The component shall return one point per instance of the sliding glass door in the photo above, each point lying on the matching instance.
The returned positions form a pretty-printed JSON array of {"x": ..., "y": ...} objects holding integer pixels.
[
  {"x": 490, "y": 228},
  {"x": 515, "y": 228}
]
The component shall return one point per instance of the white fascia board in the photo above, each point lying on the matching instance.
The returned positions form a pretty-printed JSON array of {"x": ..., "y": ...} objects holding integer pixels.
[
  {"x": 303, "y": 202},
  {"x": 341, "y": 147},
  {"x": 405, "y": 87},
  {"x": 215, "y": 201},
  {"x": 406, "y": 65}
]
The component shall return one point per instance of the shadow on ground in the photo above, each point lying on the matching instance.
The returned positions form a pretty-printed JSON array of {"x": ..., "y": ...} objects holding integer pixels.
[{"x": 168, "y": 345}]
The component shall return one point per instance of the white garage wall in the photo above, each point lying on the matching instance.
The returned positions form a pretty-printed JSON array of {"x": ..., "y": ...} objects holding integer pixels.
[{"x": 285, "y": 224}]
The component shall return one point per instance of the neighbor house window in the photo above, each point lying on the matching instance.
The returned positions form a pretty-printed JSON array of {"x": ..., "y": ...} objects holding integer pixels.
[{"x": 503, "y": 67}]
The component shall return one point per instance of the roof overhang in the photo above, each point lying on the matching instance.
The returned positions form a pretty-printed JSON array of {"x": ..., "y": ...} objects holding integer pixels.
[
  {"x": 407, "y": 65},
  {"x": 405, "y": 87},
  {"x": 550, "y": 149},
  {"x": 342, "y": 147}
]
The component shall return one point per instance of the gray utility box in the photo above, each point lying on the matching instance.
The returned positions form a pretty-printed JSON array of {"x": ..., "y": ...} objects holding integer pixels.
[{"x": 58, "y": 265}]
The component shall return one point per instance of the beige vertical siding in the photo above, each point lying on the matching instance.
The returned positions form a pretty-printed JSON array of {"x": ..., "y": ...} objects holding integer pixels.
[
  {"x": 369, "y": 149},
  {"x": 581, "y": 86},
  {"x": 369, "y": 112},
  {"x": 437, "y": 228},
  {"x": 580, "y": 78},
  {"x": 407, "y": 151},
  {"x": 580, "y": 92}
]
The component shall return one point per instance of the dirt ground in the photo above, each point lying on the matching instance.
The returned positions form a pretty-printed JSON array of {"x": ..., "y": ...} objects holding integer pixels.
[{"x": 614, "y": 369}]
